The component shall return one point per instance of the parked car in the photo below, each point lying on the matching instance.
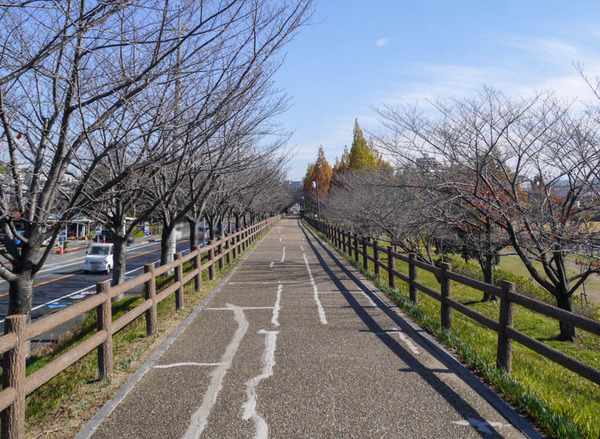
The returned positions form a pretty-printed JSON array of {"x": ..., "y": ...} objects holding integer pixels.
[{"x": 99, "y": 258}]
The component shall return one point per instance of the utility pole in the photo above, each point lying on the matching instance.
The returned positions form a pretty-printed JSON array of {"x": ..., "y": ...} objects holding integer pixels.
[{"x": 315, "y": 185}]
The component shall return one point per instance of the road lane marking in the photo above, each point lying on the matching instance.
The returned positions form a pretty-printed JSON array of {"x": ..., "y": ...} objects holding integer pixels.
[
  {"x": 275, "y": 318},
  {"x": 243, "y": 308},
  {"x": 251, "y": 282},
  {"x": 481, "y": 426},
  {"x": 361, "y": 292},
  {"x": 48, "y": 282},
  {"x": 283, "y": 256},
  {"x": 271, "y": 264},
  {"x": 409, "y": 343},
  {"x": 168, "y": 366},
  {"x": 199, "y": 419},
  {"x": 79, "y": 294},
  {"x": 249, "y": 407},
  {"x": 320, "y": 309},
  {"x": 302, "y": 248}
]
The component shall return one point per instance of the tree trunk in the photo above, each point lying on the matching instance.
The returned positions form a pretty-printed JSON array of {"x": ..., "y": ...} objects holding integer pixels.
[
  {"x": 488, "y": 270},
  {"x": 568, "y": 332},
  {"x": 193, "y": 233},
  {"x": 21, "y": 294},
  {"x": 488, "y": 277},
  {"x": 119, "y": 259},
  {"x": 167, "y": 247},
  {"x": 211, "y": 228},
  {"x": 237, "y": 223}
]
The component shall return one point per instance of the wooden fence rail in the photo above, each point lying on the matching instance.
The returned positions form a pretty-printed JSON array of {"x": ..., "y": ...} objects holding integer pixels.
[
  {"x": 505, "y": 292},
  {"x": 17, "y": 385}
]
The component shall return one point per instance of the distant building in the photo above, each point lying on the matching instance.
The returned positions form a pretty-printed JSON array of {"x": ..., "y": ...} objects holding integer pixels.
[
  {"x": 294, "y": 185},
  {"x": 427, "y": 164}
]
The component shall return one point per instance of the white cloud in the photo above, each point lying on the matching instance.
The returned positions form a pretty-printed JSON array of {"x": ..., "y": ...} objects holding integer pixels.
[
  {"x": 382, "y": 42},
  {"x": 550, "y": 50}
]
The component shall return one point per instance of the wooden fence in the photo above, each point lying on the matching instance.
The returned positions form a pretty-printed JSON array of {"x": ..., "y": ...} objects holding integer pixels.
[
  {"x": 17, "y": 384},
  {"x": 357, "y": 246}
]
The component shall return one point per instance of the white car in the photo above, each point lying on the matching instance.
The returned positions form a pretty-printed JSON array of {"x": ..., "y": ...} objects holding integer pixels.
[{"x": 99, "y": 257}]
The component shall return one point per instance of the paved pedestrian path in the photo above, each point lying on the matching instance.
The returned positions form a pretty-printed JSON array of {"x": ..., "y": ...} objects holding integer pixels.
[{"x": 296, "y": 344}]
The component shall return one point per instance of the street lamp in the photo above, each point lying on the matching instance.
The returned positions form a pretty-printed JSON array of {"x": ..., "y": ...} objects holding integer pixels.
[{"x": 315, "y": 185}]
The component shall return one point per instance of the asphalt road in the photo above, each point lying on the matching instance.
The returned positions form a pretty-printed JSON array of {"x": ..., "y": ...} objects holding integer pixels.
[
  {"x": 296, "y": 344},
  {"x": 62, "y": 281}
]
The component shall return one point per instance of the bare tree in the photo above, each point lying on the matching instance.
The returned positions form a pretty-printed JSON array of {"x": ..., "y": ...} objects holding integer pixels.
[
  {"x": 69, "y": 70},
  {"x": 530, "y": 165}
]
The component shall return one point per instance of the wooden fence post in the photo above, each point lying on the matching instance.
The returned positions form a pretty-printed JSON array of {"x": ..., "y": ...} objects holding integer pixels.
[
  {"x": 222, "y": 257},
  {"x": 504, "y": 352},
  {"x": 151, "y": 313},
  {"x": 211, "y": 258},
  {"x": 197, "y": 265},
  {"x": 446, "y": 290},
  {"x": 337, "y": 237},
  {"x": 412, "y": 276},
  {"x": 364, "y": 252},
  {"x": 376, "y": 256},
  {"x": 13, "y": 375},
  {"x": 233, "y": 246},
  {"x": 391, "y": 267},
  {"x": 349, "y": 245},
  {"x": 356, "y": 257},
  {"x": 179, "y": 297},
  {"x": 104, "y": 323}
]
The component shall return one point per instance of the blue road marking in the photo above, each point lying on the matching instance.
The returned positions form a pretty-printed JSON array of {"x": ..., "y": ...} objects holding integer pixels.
[{"x": 58, "y": 305}]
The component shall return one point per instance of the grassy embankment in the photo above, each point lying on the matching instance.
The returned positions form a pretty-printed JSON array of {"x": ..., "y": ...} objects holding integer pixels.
[
  {"x": 62, "y": 406},
  {"x": 562, "y": 403}
]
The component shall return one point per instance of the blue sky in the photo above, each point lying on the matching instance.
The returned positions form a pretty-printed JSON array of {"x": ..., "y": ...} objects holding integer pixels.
[{"x": 357, "y": 54}]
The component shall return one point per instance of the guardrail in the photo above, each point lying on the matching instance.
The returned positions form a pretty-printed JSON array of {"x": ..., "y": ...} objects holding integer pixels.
[
  {"x": 17, "y": 385},
  {"x": 358, "y": 246}
]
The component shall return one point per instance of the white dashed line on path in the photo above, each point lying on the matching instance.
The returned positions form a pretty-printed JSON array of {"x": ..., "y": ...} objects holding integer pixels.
[
  {"x": 481, "y": 426},
  {"x": 275, "y": 319},
  {"x": 246, "y": 308},
  {"x": 289, "y": 282},
  {"x": 168, "y": 366},
  {"x": 320, "y": 309},
  {"x": 271, "y": 264},
  {"x": 283, "y": 256},
  {"x": 409, "y": 343},
  {"x": 199, "y": 419},
  {"x": 249, "y": 407}
]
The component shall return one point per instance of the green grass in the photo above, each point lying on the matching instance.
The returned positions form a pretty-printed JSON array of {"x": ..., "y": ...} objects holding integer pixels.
[
  {"x": 78, "y": 388},
  {"x": 563, "y": 403},
  {"x": 513, "y": 264}
]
